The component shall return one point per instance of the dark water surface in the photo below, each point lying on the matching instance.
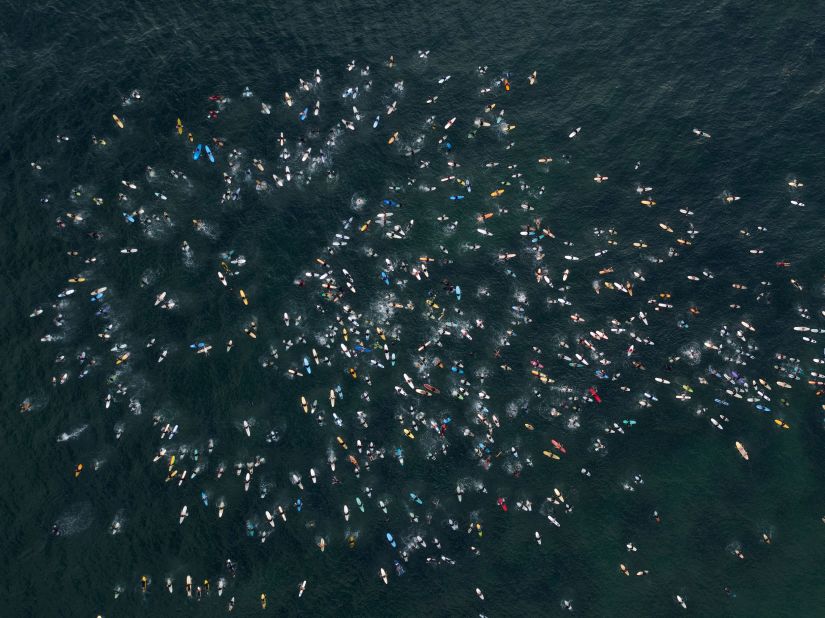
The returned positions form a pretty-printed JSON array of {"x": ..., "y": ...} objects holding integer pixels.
[{"x": 637, "y": 77}]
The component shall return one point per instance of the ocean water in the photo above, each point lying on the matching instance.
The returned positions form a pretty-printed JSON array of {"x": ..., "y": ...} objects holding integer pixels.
[{"x": 637, "y": 78}]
